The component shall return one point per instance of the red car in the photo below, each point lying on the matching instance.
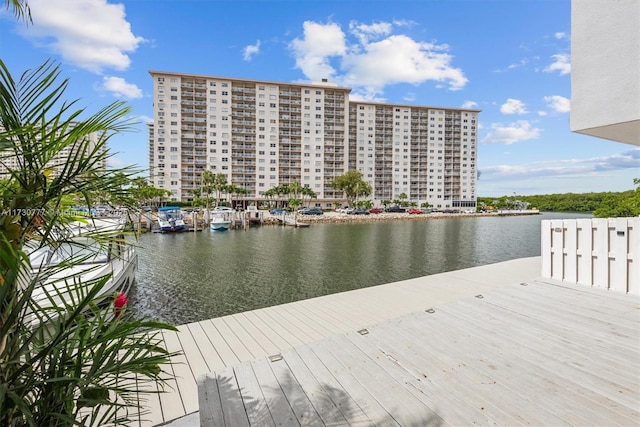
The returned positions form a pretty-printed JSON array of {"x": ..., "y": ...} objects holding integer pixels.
[
  {"x": 375, "y": 210},
  {"x": 414, "y": 211}
]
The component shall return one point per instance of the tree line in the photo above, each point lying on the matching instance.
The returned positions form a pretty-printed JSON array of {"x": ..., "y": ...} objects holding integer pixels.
[{"x": 602, "y": 205}]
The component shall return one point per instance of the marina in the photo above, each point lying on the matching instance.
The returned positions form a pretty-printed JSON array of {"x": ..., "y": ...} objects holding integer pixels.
[{"x": 211, "y": 274}]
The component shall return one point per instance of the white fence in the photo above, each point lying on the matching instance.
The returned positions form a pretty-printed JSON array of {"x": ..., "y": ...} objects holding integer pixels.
[{"x": 603, "y": 253}]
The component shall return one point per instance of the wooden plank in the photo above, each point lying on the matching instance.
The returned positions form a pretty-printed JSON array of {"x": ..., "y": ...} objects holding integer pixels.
[
  {"x": 572, "y": 331},
  {"x": 549, "y": 380},
  {"x": 345, "y": 403},
  {"x": 461, "y": 393},
  {"x": 534, "y": 304},
  {"x": 433, "y": 395},
  {"x": 231, "y": 399},
  {"x": 211, "y": 357},
  {"x": 150, "y": 403},
  {"x": 185, "y": 381},
  {"x": 299, "y": 402},
  {"x": 195, "y": 359},
  {"x": 218, "y": 342},
  {"x": 209, "y": 401},
  {"x": 345, "y": 309},
  {"x": 279, "y": 407},
  {"x": 301, "y": 329},
  {"x": 257, "y": 327},
  {"x": 241, "y": 351},
  {"x": 287, "y": 330},
  {"x": 316, "y": 392},
  {"x": 254, "y": 402},
  {"x": 590, "y": 357},
  {"x": 328, "y": 320},
  {"x": 309, "y": 317},
  {"x": 341, "y": 368},
  {"x": 245, "y": 338},
  {"x": 402, "y": 405}
]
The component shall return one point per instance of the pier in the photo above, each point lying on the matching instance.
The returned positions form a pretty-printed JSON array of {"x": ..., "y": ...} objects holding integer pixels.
[{"x": 490, "y": 344}]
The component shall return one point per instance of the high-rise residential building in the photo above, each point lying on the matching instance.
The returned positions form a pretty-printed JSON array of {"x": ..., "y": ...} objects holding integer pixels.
[
  {"x": 10, "y": 161},
  {"x": 263, "y": 134}
]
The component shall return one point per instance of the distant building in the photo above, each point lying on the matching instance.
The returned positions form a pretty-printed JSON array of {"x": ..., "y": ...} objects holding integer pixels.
[
  {"x": 8, "y": 161},
  {"x": 262, "y": 134},
  {"x": 605, "y": 69}
]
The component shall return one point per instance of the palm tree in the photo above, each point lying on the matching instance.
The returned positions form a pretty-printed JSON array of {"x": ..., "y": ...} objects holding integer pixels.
[
  {"x": 79, "y": 369},
  {"x": 219, "y": 184},
  {"x": 309, "y": 193},
  {"x": 20, "y": 9}
]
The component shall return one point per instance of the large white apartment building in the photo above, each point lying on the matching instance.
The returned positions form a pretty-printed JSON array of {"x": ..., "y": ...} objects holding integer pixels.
[
  {"x": 9, "y": 160},
  {"x": 262, "y": 134}
]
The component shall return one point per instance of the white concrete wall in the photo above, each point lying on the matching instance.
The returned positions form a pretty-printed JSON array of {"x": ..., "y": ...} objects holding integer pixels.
[
  {"x": 601, "y": 252},
  {"x": 605, "y": 69}
]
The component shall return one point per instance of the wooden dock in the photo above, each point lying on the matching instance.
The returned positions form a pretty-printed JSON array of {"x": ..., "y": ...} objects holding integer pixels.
[{"x": 463, "y": 347}]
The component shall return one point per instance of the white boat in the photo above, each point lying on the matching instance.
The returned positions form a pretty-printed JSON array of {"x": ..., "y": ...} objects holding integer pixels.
[
  {"x": 170, "y": 219},
  {"x": 65, "y": 273},
  {"x": 219, "y": 222}
]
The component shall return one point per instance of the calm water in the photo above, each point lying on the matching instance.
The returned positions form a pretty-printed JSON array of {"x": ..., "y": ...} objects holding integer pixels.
[{"x": 194, "y": 276}]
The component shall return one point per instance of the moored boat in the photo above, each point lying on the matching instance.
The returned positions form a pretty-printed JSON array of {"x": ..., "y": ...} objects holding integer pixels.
[
  {"x": 68, "y": 270},
  {"x": 219, "y": 223},
  {"x": 170, "y": 219}
]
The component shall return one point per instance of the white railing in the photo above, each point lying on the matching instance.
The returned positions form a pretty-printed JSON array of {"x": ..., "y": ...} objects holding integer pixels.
[{"x": 599, "y": 252}]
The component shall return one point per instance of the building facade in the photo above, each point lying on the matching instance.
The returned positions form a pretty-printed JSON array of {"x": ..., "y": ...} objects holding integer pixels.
[
  {"x": 605, "y": 69},
  {"x": 9, "y": 160},
  {"x": 264, "y": 134}
]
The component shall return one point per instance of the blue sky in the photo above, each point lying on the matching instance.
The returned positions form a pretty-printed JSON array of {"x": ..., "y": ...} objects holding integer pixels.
[{"x": 509, "y": 58}]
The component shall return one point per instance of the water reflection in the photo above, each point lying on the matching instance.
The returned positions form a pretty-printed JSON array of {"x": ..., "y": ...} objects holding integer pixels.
[{"x": 194, "y": 276}]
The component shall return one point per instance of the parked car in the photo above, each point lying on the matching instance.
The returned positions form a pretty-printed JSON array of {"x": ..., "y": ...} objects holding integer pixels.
[
  {"x": 278, "y": 211},
  {"x": 359, "y": 211},
  {"x": 414, "y": 211},
  {"x": 311, "y": 211},
  {"x": 395, "y": 209},
  {"x": 375, "y": 210},
  {"x": 344, "y": 210},
  {"x": 223, "y": 209}
]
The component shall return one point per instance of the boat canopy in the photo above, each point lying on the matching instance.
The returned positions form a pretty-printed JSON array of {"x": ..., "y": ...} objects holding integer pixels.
[{"x": 169, "y": 208}]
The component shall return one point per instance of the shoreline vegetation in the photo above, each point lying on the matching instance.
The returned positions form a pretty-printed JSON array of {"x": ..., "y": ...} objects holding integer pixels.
[{"x": 335, "y": 217}]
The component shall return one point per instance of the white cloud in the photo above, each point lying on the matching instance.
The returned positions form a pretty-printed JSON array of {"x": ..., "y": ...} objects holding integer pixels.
[
  {"x": 144, "y": 119},
  {"x": 409, "y": 97},
  {"x": 120, "y": 88},
  {"x": 365, "y": 32},
  {"x": 469, "y": 104},
  {"x": 319, "y": 43},
  {"x": 564, "y": 167},
  {"x": 251, "y": 50},
  {"x": 513, "y": 106},
  {"x": 373, "y": 59},
  {"x": 91, "y": 34},
  {"x": 510, "y": 133},
  {"x": 561, "y": 64},
  {"x": 558, "y": 103},
  {"x": 560, "y": 35}
]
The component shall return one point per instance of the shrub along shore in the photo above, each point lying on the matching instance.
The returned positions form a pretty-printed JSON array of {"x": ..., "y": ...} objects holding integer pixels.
[{"x": 335, "y": 217}]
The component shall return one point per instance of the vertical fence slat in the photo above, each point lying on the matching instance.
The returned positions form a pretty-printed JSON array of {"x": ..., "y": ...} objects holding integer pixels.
[
  {"x": 618, "y": 254},
  {"x": 600, "y": 253},
  {"x": 584, "y": 250},
  {"x": 545, "y": 245},
  {"x": 570, "y": 251},
  {"x": 633, "y": 257},
  {"x": 557, "y": 239}
]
